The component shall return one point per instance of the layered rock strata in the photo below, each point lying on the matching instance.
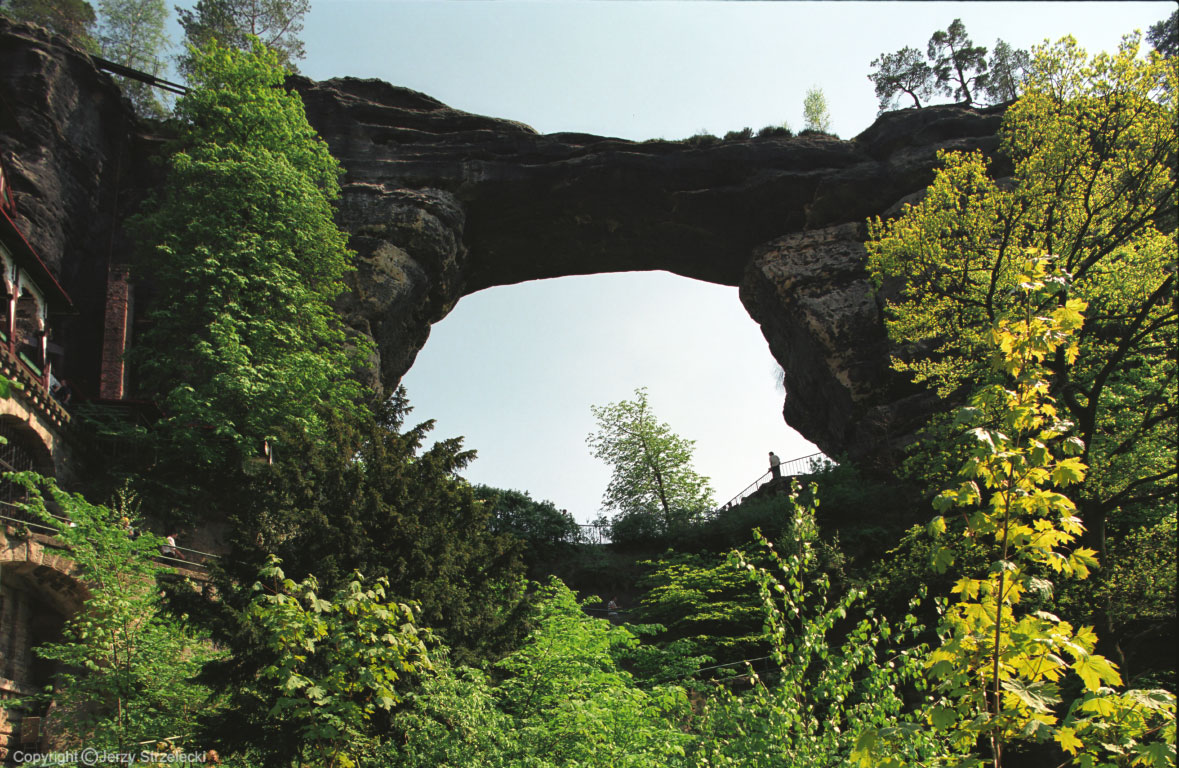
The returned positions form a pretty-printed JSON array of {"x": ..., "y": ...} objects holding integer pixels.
[{"x": 441, "y": 203}]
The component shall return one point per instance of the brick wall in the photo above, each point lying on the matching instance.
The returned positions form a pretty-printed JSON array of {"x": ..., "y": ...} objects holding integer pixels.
[{"x": 115, "y": 334}]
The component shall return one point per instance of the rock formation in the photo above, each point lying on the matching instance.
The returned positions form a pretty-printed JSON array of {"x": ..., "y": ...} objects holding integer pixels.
[{"x": 441, "y": 203}]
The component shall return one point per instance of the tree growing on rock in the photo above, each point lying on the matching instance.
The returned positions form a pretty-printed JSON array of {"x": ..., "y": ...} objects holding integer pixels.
[
  {"x": 134, "y": 33},
  {"x": 901, "y": 74},
  {"x": 245, "y": 257},
  {"x": 953, "y": 66},
  {"x": 1007, "y": 69},
  {"x": 1093, "y": 144},
  {"x": 277, "y": 24},
  {"x": 653, "y": 474},
  {"x": 815, "y": 112},
  {"x": 959, "y": 66},
  {"x": 70, "y": 18}
]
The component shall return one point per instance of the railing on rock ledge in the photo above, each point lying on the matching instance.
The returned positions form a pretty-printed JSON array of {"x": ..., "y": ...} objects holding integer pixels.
[
  {"x": 183, "y": 557},
  {"x": 803, "y": 465}
]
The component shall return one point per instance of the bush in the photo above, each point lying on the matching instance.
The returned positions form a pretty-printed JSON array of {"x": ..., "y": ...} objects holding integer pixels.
[
  {"x": 775, "y": 130},
  {"x": 744, "y": 133}
]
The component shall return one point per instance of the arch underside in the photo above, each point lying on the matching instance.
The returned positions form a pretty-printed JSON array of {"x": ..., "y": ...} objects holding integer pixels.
[{"x": 441, "y": 204}]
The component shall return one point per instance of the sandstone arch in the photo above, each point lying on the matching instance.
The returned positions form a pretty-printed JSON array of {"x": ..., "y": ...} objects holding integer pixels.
[{"x": 442, "y": 203}]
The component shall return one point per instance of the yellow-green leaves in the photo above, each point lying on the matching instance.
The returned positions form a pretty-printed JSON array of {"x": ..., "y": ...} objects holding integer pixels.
[
  {"x": 999, "y": 664},
  {"x": 335, "y": 663}
]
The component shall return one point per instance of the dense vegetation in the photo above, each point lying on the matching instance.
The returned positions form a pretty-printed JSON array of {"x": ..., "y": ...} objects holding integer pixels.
[{"x": 373, "y": 610}]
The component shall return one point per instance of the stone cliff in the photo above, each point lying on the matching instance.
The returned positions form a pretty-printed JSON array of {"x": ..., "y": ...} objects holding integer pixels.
[{"x": 441, "y": 203}]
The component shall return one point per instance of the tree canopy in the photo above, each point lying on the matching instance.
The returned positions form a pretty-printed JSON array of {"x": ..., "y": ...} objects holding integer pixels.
[
  {"x": 277, "y": 24},
  {"x": 816, "y": 115},
  {"x": 652, "y": 466},
  {"x": 134, "y": 33},
  {"x": 245, "y": 258},
  {"x": 71, "y": 18},
  {"x": 1093, "y": 145},
  {"x": 952, "y": 66},
  {"x": 959, "y": 66}
]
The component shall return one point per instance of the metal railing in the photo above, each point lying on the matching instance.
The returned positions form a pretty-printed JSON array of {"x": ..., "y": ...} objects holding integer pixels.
[
  {"x": 801, "y": 466},
  {"x": 192, "y": 559},
  {"x": 594, "y": 534}
]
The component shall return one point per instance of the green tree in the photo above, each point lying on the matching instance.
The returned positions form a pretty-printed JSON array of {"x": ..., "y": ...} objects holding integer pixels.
[
  {"x": 1000, "y": 662},
  {"x": 653, "y": 473},
  {"x": 816, "y": 116},
  {"x": 706, "y": 605},
  {"x": 1093, "y": 146},
  {"x": 71, "y": 18},
  {"x": 572, "y": 703},
  {"x": 837, "y": 678},
  {"x": 904, "y": 73},
  {"x": 561, "y": 699},
  {"x": 134, "y": 33},
  {"x": 245, "y": 257},
  {"x": 1164, "y": 36},
  {"x": 334, "y": 668},
  {"x": 366, "y": 498},
  {"x": 277, "y": 24},
  {"x": 549, "y": 535},
  {"x": 1006, "y": 71},
  {"x": 125, "y": 666},
  {"x": 959, "y": 67}
]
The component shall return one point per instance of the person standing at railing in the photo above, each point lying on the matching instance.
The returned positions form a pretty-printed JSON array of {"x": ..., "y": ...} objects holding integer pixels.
[
  {"x": 775, "y": 467},
  {"x": 170, "y": 548}
]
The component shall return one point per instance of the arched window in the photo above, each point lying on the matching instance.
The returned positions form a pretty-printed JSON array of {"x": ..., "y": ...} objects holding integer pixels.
[
  {"x": 30, "y": 330},
  {"x": 21, "y": 451}
]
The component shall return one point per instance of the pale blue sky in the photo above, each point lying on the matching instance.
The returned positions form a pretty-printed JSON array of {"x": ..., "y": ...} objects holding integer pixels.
[{"x": 515, "y": 369}]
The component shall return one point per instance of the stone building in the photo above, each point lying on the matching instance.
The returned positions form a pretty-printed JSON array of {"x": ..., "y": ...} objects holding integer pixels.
[{"x": 37, "y": 590}]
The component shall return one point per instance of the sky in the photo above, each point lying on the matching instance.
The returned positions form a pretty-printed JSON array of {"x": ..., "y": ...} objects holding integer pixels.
[{"x": 515, "y": 369}]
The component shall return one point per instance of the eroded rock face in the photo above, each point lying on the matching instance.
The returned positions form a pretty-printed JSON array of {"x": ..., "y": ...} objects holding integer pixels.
[
  {"x": 441, "y": 203},
  {"x": 79, "y": 163}
]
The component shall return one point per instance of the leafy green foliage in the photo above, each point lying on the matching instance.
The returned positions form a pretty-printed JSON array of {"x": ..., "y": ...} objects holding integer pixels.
[
  {"x": 999, "y": 664},
  {"x": 276, "y": 24},
  {"x": 815, "y": 113},
  {"x": 549, "y": 535},
  {"x": 335, "y": 664},
  {"x": 1092, "y": 143},
  {"x": 366, "y": 499},
  {"x": 559, "y": 700},
  {"x": 371, "y": 500},
  {"x": 126, "y": 667},
  {"x": 242, "y": 249},
  {"x": 573, "y": 706},
  {"x": 706, "y": 606},
  {"x": 134, "y": 33},
  {"x": 827, "y": 696},
  {"x": 653, "y": 475}
]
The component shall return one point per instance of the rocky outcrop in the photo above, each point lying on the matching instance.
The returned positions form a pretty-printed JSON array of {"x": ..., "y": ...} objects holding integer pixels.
[
  {"x": 441, "y": 203},
  {"x": 79, "y": 163}
]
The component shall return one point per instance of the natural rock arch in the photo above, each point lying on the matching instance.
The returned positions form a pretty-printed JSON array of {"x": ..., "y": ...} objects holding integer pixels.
[{"x": 441, "y": 203}]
